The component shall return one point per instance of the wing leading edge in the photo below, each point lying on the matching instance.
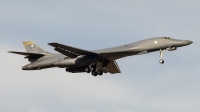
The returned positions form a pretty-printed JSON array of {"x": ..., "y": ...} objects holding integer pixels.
[{"x": 69, "y": 51}]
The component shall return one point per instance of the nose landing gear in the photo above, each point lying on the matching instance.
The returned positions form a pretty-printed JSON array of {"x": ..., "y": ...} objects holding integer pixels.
[
  {"x": 161, "y": 57},
  {"x": 162, "y": 61}
]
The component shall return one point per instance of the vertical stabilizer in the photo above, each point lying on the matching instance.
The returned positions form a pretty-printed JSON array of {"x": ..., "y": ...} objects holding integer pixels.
[{"x": 31, "y": 47}]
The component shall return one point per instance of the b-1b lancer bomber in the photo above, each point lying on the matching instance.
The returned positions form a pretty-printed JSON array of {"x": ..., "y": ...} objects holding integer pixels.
[{"x": 96, "y": 62}]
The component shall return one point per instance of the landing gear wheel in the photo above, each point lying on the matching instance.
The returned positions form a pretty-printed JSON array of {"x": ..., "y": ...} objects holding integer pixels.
[
  {"x": 161, "y": 57},
  {"x": 162, "y": 61},
  {"x": 87, "y": 70},
  {"x": 94, "y": 74},
  {"x": 99, "y": 72},
  {"x": 93, "y": 68}
]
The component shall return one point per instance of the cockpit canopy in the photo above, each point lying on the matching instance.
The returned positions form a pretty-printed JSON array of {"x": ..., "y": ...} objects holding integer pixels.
[{"x": 166, "y": 38}]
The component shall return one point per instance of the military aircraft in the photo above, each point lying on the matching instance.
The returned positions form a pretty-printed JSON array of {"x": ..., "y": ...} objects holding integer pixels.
[{"x": 96, "y": 62}]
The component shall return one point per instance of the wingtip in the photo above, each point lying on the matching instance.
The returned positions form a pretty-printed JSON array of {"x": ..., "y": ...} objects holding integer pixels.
[
  {"x": 9, "y": 51},
  {"x": 52, "y": 43}
]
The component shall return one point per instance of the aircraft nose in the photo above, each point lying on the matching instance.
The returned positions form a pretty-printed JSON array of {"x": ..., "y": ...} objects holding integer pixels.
[
  {"x": 187, "y": 42},
  {"x": 24, "y": 68}
]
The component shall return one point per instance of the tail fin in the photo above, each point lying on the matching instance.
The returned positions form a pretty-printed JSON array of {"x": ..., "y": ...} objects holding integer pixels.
[{"x": 31, "y": 47}]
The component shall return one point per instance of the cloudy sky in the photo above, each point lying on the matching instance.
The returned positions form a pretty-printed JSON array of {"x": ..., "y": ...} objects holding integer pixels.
[{"x": 143, "y": 86}]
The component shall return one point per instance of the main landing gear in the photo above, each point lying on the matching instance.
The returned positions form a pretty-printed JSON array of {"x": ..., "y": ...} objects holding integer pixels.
[
  {"x": 99, "y": 72},
  {"x": 94, "y": 70},
  {"x": 161, "y": 57}
]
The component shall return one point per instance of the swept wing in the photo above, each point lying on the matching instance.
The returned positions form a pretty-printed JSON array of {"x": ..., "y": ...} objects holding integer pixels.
[{"x": 69, "y": 51}]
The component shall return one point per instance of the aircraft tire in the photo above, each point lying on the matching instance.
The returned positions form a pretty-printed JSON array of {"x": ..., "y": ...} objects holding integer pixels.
[
  {"x": 162, "y": 61},
  {"x": 87, "y": 70},
  {"x": 99, "y": 72},
  {"x": 94, "y": 74},
  {"x": 93, "y": 68}
]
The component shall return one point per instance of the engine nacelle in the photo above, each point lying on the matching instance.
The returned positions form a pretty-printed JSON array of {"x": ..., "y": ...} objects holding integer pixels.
[
  {"x": 84, "y": 60},
  {"x": 65, "y": 63},
  {"x": 76, "y": 69}
]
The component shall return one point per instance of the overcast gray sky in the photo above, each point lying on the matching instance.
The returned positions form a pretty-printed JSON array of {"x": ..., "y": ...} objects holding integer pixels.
[{"x": 143, "y": 86}]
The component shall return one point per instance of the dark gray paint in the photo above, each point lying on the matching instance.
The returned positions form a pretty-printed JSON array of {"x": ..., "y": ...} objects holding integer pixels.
[{"x": 77, "y": 59}]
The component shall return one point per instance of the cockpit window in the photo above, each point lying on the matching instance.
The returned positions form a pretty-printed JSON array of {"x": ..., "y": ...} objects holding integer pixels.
[{"x": 166, "y": 38}]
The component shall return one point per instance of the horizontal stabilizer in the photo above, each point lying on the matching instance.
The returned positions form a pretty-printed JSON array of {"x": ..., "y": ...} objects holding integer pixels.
[
  {"x": 27, "y": 54},
  {"x": 71, "y": 51}
]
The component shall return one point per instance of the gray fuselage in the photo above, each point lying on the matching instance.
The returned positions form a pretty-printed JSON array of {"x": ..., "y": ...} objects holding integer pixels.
[{"x": 114, "y": 53}]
